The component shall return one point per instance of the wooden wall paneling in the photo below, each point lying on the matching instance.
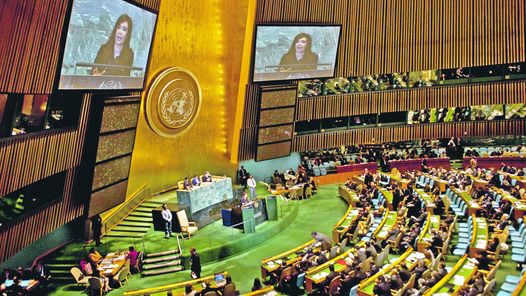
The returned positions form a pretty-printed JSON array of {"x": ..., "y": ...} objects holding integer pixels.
[
  {"x": 405, "y": 133},
  {"x": 412, "y": 35}
]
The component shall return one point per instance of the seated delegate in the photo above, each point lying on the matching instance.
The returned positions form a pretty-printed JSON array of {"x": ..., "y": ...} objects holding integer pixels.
[
  {"x": 207, "y": 177},
  {"x": 196, "y": 181}
]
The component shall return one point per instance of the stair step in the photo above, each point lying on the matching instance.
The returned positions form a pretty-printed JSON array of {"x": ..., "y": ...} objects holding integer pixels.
[
  {"x": 52, "y": 265},
  {"x": 59, "y": 273},
  {"x": 135, "y": 223},
  {"x": 138, "y": 219},
  {"x": 69, "y": 279},
  {"x": 164, "y": 253},
  {"x": 161, "y": 265},
  {"x": 161, "y": 258},
  {"x": 141, "y": 214},
  {"x": 125, "y": 234},
  {"x": 143, "y": 209},
  {"x": 131, "y": 228},
  {"x": 151, "y": 204},
  {"x": 162, "y": 271}
]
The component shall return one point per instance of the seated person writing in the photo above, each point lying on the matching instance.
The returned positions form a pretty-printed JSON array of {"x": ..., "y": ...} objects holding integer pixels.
[
  {"x": 92, "y": 268},
  {"x": 196, "y": 181},
  {"x": 186, "y": 184},
  {"x": 207, "y": 177}
]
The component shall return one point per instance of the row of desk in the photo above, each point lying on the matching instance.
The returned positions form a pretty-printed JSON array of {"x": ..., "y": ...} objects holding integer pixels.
[
  {"x": 461, "y": 273},
  {"x": 495, "y": 161},
  {"x": 416, "y": 164},
  {"x": 409, "y": 258}
]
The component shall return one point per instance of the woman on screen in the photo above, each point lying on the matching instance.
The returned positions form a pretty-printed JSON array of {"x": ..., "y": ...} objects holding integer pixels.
[
  {"x": 300, "y": 56},
  {"x": 116, "y": 51}
]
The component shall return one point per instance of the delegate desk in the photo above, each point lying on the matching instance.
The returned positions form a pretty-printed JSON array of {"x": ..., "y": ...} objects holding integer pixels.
[
  {"x": 399, "y": 181},
  {"x": 478, "y": 182},
  {"x": 409, "y": 258},
  {"x": 496, "y": 161},
  {"x": 318, "y": 275},
  {"x": 519, "y": 206},
  {"x": 455, "y": 279},
  {"x": 357, "y": 168},
  {"x": 426, "y": 198},
  {"x": 441, "y": 184},
  {"x": 472, "y": 205},
  {"x": 433, "y": 222},
  {"x": 387, "y": 224},
  {"x": 268, "y": 265},
  {"x": 388, "y": 195},
  {"x": 348, "y": 195},
  {"x": 200, "y": 200},
  {"x": 341, "y": 228},
  {"x": 216, "y": 280},
  {"x": 521, "y": 180},
  {"x": 416, "y": 164},
  {"x": 479, "y": 238}
]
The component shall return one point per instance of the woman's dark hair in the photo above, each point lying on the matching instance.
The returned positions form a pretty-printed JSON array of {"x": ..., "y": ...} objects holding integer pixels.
[
  {"x": 123, "y": 18},
  {"x": 188, "y": 288},
  {"x": 308, "y": 48},
  {"x": 257, "y": 284}
]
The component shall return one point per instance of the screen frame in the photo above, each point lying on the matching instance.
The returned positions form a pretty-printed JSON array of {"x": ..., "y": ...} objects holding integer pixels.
[
  {"x": 253, "y": 51},
  {"x": 63, "y": 40}
]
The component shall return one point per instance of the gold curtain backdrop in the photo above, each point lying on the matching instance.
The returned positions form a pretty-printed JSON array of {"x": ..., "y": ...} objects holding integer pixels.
[{"x": 205, "y": 37}]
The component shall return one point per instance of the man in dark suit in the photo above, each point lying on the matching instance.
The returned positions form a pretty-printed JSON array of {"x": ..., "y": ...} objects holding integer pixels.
[
  {"x": 331, "y": 275},
  {"x": 242, "y": 176},
  {"x": 382, "y": 286},
  {"x": 195, "y": 263}
]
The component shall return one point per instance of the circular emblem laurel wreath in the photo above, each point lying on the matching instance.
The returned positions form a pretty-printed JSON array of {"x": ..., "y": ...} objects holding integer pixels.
[{"x": 177, "y": 107}]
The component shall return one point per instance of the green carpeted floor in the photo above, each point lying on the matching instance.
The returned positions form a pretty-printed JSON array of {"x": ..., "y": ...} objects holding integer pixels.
[{"x": 317, "y": 214}]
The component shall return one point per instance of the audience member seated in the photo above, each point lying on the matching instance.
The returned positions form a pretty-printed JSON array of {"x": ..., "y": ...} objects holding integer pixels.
[
  {"x": 207, "y": 177},
  {"x": 186, "y": 184},
  {"x": 196, "y": 181}
]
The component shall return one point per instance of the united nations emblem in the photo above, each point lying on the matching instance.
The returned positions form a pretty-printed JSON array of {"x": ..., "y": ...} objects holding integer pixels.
[{"x": 173, "y": 102}]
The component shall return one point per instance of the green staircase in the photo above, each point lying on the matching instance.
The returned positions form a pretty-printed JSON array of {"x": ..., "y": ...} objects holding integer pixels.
[
  {"x": 161, "y": 263},
  {"x": 59, "y": 265},
  {"x": 137, "y": 223}
]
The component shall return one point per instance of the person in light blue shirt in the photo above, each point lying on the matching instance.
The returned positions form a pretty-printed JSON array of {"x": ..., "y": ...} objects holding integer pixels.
[{"x": 167, "y": 217}]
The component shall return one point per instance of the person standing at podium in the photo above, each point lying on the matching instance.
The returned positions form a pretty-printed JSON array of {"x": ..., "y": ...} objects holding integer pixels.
[
  {"x": 167, "y": 217},
  {"x": 251, "y": 183}
]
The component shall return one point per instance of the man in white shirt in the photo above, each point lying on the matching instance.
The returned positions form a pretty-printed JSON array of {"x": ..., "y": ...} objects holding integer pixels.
[
  {"x": 251, "y": 183},
  {"x": 167, "y": 216}
]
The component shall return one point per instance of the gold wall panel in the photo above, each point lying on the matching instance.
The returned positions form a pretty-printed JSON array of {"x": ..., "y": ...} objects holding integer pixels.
[
  {"x": 276, "y": 116},
  {"x": 206, "y": 37},
  {"x": 274, "y": 150},
  {"x": 113, "y": 145},
  {"x": 278, "y": 98},
  {"x": 107, "y": 198},
  {"x": 275, "y": 134},
  {"x": 111, "y": 172},
  {"x": 118, "y": 117}
]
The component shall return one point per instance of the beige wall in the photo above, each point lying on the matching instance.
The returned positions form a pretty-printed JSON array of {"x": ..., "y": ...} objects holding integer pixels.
[{"x": 205, "y": 37}]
